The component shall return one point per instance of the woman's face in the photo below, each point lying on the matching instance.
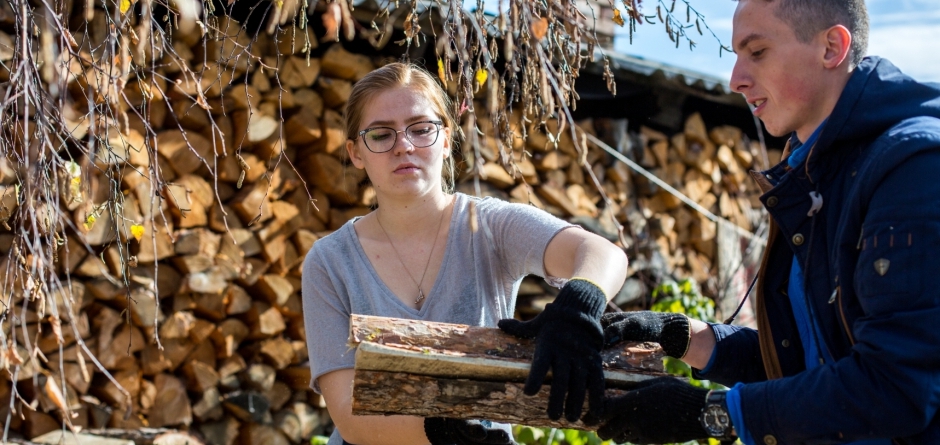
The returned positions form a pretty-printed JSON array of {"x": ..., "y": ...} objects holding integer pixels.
[{"x": 405, "y": 169}]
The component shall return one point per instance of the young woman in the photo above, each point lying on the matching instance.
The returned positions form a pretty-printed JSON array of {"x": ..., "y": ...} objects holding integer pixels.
[{"x": 416, "y": 256}]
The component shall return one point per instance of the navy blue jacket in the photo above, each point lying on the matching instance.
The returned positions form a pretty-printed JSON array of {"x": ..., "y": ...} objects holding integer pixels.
[{"x": 871, "y": 260}]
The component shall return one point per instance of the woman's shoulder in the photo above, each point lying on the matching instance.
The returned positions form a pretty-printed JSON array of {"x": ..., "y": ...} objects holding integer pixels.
[
  {"x": 333, "y": 244},
  {"x": 493, "y": 206},
  {"x": 485, "y": 202}
]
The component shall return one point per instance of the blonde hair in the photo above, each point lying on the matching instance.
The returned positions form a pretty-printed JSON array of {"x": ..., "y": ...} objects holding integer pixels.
[{"x": 397, "y": 75}]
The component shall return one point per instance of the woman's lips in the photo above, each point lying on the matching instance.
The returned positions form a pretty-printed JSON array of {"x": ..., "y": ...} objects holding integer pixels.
[{"x": 406, "y": 169}]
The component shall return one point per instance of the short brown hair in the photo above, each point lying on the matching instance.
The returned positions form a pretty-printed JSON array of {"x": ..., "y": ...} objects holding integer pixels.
[
  {"x": 808, "y": 17},
  {"x": 396, "y": 75}
]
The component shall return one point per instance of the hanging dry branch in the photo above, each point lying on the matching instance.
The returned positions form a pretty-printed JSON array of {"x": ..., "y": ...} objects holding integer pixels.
[{"x": 112, "y": 113}]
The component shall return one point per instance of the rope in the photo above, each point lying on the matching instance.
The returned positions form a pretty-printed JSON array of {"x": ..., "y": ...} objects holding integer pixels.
[{"x": 685, "y": 199}]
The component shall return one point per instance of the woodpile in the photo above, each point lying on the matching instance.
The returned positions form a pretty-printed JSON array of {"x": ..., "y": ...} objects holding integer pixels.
[
  {"x": 250, "y": 149},
  {"x": 664, "y": 237}
]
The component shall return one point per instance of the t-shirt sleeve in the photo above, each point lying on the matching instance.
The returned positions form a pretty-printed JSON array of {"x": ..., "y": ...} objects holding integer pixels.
[
  {"x": 326, "y": 320},
  {"x": 520, "y": 233}
]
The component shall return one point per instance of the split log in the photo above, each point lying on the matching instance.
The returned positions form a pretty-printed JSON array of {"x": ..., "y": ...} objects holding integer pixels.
[
  {"x": 175, "y": 408},
  {"x": 402, "y": 366},
  {"x": 384, "y": 393},
  {"x": 222, "y": 432},
  {"x": 337, "y": 62}
]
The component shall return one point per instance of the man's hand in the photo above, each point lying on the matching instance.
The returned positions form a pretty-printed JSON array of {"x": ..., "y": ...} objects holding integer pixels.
[
  {"x": 671, "y": 331},
  {"x": 568, "y": 340},
  {"x": 443, "y": 431},
  {"x": 662, "y": 410}
]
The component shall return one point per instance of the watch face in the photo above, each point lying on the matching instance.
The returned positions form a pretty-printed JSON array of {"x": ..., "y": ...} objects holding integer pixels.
[{"x": 716, "y": 421}]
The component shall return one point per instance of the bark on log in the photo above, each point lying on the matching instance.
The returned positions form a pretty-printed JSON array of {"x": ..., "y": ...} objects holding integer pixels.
[
  {"x": 480, "y": 342},
  {"x": 438, "y": 369},
  {"x": 384, "y": 393}
]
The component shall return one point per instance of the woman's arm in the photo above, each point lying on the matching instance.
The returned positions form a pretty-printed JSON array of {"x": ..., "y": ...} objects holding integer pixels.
[
  {"x": 575, "y": 252},
  {"x": 366, "y": 430}
]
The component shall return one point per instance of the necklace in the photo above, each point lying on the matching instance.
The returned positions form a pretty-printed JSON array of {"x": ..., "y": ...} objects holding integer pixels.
[{"x": 426, "y": 264}]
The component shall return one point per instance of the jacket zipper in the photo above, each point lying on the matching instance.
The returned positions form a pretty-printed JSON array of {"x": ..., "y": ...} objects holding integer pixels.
[{"x": 845, "y": 323}]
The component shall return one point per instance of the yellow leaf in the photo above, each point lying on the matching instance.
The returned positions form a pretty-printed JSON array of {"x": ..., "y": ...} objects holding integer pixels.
[
  {"x": 440, "y": 70},
  {"x": 618, "y": 19},
  {"x": 481, "y": 76},
  {"x": 90, "y": 221},
  {"x": 125, "y": 5},
  {"x": 138, "y": 231}
]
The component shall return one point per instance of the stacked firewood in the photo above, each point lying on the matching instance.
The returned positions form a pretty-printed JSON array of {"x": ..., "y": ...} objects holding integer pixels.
[
  {"x": 201, "y": 324},
  {"x": 709, "y": 166}
]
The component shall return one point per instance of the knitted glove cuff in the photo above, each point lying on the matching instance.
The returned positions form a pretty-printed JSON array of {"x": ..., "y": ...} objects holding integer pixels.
[
  {"x": 676, "y": 336},
  {"x": 584, "y": 296},
  {"x": 691, "y": 426}
]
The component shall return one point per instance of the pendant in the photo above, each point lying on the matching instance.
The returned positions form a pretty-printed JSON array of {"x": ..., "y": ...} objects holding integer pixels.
[{"x": 420, "y": 296}]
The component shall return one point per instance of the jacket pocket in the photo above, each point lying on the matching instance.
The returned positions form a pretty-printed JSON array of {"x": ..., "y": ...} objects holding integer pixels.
[{"x": 890, "y": 261}]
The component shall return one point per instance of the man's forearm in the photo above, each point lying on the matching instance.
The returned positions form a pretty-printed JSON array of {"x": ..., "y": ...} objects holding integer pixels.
[{"x": 701, "y": 345}]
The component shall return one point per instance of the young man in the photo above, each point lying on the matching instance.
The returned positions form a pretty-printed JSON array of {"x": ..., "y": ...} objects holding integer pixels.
[{"x": 848, "y": 302}]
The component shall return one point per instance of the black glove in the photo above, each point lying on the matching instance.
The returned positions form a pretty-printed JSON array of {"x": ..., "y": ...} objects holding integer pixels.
[
  {"x": 671, "y": 331},
  {"x": 662, "y": 410},
  {"x": 444, "y": 431},
  {"x": 568, "y": 340}
]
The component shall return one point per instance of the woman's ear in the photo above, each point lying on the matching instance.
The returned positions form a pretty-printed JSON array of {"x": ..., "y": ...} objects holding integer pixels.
[
  {"x": 354, "y": 154},
  {"x": 447, "y": 147}
]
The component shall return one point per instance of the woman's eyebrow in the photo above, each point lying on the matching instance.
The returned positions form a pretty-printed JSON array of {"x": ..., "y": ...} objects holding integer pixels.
[{"x": 412, "y": 119}]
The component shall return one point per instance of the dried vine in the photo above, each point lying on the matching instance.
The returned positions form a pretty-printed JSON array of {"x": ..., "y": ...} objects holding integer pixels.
[{"x": 83, "y": 85}]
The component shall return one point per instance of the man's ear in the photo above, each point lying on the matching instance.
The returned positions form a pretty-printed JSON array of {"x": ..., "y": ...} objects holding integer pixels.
[
  {"x": 838, "y": 44},
  {"x": 354, "y": 154}
]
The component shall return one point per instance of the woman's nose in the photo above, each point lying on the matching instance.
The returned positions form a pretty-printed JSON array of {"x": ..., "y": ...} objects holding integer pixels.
[{"x": 402, "y": 144}]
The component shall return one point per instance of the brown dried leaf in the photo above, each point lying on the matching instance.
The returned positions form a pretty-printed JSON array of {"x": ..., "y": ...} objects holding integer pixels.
[
  {"x": 331, "y": 20},
  {"x": 540, "y": 28}
]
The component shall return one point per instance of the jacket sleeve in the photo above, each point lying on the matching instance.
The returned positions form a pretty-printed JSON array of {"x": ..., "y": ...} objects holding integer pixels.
[
  {"x": 889, "y": 385},
  {"x": 736, "y": 358}
]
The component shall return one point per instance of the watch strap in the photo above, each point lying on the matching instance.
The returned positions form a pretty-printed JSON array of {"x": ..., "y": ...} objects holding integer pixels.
[{"x": 716, "y": 420}]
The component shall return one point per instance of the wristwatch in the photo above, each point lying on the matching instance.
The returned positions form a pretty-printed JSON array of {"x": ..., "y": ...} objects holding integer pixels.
[{"x": 715, "y": 418}]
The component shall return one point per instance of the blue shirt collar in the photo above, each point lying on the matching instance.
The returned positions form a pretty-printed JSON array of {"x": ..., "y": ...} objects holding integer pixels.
[{"x": 800, "y": 150}]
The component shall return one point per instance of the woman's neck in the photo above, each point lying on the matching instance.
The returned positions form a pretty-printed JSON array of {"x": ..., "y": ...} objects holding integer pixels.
[{"x": 412, "y": 216}]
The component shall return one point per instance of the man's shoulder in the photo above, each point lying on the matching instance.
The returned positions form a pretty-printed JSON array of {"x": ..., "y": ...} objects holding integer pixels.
[
  {"x": 904, "y": 140},
  {"x": 925, "y": 128}
]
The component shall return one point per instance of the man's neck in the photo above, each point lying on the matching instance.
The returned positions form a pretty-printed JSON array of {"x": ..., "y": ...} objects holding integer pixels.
[{"x": 822, "y": 108}]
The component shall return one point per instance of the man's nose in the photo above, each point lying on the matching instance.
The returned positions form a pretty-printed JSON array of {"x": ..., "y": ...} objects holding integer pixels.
[{"x": 740, "y": 78}]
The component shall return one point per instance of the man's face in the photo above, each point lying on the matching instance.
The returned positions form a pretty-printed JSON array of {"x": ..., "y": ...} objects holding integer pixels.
[{"x": 778, "y": 74}]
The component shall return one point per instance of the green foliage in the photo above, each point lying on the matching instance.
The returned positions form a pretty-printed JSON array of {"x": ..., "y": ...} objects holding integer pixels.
[
  {"x": 319, "y": 440},
  {"x": 550, "y": 436},
  {"x": 683, "y": 297}
]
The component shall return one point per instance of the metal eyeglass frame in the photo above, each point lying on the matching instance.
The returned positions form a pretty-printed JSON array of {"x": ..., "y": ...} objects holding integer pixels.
[{"x": 439, "y": 124}]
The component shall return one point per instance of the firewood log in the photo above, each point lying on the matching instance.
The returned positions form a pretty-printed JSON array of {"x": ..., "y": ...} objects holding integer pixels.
[{"x": 174, "y": 403}]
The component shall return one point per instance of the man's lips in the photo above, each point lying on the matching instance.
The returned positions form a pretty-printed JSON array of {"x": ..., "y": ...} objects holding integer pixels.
[{"x": 757, "y": 105}]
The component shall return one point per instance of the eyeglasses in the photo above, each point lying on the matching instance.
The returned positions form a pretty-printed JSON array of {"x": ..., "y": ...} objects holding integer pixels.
[{"x": 382, "y": 139}]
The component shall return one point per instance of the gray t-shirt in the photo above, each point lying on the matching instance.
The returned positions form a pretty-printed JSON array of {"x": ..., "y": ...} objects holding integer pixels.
[{"x": 476, "y": 285}]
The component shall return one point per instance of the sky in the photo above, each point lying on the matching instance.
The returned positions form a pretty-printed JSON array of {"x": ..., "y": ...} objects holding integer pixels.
[{"x": 906, "y": 32}]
